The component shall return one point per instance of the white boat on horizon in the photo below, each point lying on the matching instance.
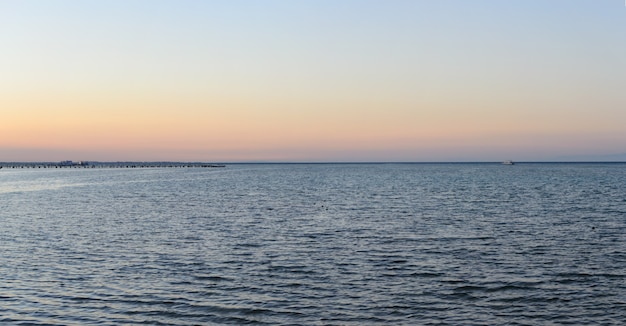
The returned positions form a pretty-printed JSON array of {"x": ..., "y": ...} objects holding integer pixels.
[{"x": 508, "y": 162}]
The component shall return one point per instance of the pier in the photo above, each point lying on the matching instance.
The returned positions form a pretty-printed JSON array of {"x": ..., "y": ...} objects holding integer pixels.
[{"x": 105, "y": 165}]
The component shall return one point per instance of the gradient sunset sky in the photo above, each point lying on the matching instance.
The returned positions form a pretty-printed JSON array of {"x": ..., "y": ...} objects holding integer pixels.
[{"x": 305, "y": 80}]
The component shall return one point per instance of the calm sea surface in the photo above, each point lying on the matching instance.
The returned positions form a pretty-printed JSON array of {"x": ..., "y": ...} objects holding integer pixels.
[{"x": 315, "y": 244}]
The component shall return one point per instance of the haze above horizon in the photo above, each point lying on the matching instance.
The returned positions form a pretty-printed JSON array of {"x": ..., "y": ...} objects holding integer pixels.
[{"x": 313, "y": 81}]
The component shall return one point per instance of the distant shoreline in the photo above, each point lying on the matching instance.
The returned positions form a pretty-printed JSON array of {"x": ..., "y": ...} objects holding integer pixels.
[
  {"x": 164, "y": 164},
  {"x": 88, "y": 165}
]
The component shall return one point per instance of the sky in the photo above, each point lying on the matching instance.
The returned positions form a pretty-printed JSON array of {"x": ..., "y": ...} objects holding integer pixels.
[{"x": 312, "y": 80}]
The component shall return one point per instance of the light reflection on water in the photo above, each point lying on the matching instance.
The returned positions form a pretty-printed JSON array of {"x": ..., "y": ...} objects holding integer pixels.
[
  {"x": 315, "y": 244},
  {"x": 25, "y": 181}
]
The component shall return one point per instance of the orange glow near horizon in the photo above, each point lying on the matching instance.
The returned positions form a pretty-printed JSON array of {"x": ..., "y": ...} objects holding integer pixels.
[{"x": 271, "y": 128}]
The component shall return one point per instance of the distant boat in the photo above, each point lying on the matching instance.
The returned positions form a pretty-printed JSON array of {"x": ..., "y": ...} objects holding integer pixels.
[{"x": 508, "y": 162}]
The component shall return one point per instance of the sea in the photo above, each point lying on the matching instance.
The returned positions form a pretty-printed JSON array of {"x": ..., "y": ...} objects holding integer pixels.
[{"x": 315, "y": 244}]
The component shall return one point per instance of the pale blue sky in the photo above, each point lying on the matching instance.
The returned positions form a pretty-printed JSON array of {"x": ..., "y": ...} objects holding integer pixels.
[{"x": 313, "y": 80}]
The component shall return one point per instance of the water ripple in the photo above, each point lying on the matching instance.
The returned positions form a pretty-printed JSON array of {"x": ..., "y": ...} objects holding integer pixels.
[{"x": 378, "y": 244}]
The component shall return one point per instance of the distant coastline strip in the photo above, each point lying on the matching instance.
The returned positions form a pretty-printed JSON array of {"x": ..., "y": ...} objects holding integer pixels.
[{"x": 126, "y": 165}]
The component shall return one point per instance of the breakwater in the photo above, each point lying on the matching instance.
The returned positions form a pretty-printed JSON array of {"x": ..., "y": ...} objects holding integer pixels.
[{"x": 109, "y": 165}]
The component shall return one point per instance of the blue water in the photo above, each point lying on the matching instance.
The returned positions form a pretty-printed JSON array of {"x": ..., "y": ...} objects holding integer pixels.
[{"x": 315, "y": 244}]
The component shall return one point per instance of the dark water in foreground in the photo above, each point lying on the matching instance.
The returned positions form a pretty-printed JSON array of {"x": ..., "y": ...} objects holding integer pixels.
[{"x": 413, "y": 244}]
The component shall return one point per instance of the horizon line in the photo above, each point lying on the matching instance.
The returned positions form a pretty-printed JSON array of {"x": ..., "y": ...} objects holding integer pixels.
[{"x": 86, "y": 162}]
